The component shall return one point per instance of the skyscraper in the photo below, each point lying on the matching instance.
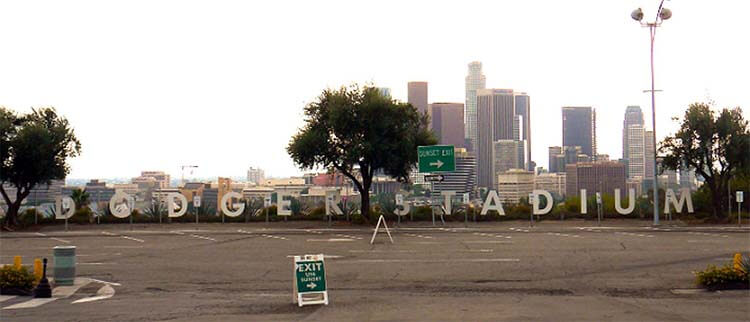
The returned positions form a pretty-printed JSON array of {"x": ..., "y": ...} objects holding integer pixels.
[
  {"x": 648, "y": 139},
  {"x": 417, "y": 92},
  {"x": 505, "y": 156},
  {"x": 495, "y": 113},
  {"x": 633, "y": 116},
  {"x": 474, "y": 81},
  {"x": 636, "y": 150},
  {"x": 579, "y": 128},
  {"x": 553, "y": 152},
  {"x": 447, "y": 122},
  {"x": 523, "y": 108}
]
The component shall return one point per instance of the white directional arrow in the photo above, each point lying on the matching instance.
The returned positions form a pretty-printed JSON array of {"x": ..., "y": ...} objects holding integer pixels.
[
  {"x": 437, "y": 164},
  {"x": 311, "y": 285}
]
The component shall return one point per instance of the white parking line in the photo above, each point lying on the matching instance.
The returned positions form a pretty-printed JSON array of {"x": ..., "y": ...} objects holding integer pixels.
[
  {"x": 520, "y": 230},
  {"x": 707, "y": 234},
  {"x": 54, "y": 238},
  {"x": 30, "y": 303},
  {"x": 633, "y": 234},
  {"x": 103, "y": 293},
  {"x": 331, "y": 240},
  {"x": 348, "y": 236},
  {"x": 564, "y": 235},
  {"x": 133, "y": 239},
  {"x": 418, "y": 236},
  {"x": 488, "y": 242},
  {"x": 202, "y": 237},
  {"x": 275, "y": 237},
  {"x": 492, "y": 235}
]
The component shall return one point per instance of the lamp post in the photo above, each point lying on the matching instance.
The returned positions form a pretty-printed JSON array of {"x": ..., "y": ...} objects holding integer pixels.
[{"x": 661, "y": 15}]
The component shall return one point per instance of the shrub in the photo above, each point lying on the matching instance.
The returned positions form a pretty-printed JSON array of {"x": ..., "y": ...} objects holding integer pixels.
[
  {"x": 729, "y": 276},
  {"x": 16, "y": 281},
  {"x": 82, "y": 215}
]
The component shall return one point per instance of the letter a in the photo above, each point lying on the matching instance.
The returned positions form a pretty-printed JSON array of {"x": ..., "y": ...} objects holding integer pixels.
[{"x": 492, "y": 203}]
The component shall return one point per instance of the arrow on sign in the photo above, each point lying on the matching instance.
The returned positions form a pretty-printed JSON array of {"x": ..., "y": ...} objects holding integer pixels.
[
  {"x": 437, "y": 164},
  {"x": 311, "y": 285}
]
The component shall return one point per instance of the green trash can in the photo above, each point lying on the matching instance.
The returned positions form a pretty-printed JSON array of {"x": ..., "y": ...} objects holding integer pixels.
[{"x": 65, "y": 264}]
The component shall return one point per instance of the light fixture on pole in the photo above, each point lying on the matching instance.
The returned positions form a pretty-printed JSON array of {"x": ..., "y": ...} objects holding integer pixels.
[{"x": 661, "y": 15}]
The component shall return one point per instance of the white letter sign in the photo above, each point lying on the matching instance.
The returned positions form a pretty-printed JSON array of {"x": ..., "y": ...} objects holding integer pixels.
[
  {"x": 228, "y": 198},
  {"x": 492, "y": 203}
]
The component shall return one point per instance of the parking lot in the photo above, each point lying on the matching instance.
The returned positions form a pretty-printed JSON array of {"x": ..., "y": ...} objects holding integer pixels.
[{"x": 573, "y": 270}]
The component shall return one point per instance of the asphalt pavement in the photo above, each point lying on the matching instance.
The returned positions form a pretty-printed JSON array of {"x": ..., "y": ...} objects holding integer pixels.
[{"x": 621, "y": 270}]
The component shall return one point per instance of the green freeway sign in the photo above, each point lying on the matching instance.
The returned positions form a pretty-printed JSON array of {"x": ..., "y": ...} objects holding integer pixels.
[
  {"x": 311, "y": 276},
  {"x": 436, "y": 158}
]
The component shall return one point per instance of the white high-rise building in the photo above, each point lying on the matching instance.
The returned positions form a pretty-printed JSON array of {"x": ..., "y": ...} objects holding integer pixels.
[
  {"x": 474, "y": 81},
  {"x": 636, "y": 149},
  {"x": 256, "y": 175}
]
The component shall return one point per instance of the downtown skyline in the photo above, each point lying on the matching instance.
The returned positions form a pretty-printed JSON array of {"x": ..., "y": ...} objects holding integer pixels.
[{"x": 205, "y": 89}]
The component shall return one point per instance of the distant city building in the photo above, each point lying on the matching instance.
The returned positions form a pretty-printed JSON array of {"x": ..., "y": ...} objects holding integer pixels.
[
  {"x": 599, "y": 176},
  {"x": 417, "y": 95},
  {"x": 284, "y": 182},
  {"x": 256, "y": 175},
  {"x": 385, "y": 91},
  {"x": 602, "y": 157},
  {"x": 495, "y": 114},
  {"x": 635, "y": 183},
  {"x": 518, "y": 129},
  {"x": 447, "y": 122},
  {"x": 552, "y": 153},
  {"x": 474, "y": 80},
  {"x": 162, "y": 179},
  {"x": 636, "y": 151},
  {"x": 579, "y": 128},
  {"x": 505, "y": 156},
  {"x": 552, "y": 182},
  {"x": 523, "y": 109},
  {"x": 335, "y": 179},
  {"x": 514, "y": 184},
  {"x": 687, "y": 179},
  {"x": 40, "y": 194},
  {"x": 464, "y": 179},
  {"x": 633, "y": 116},
  {"x": 648, "y": 138}
]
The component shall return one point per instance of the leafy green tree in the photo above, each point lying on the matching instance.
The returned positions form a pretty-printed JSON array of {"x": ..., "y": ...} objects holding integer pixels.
[
  {"x": 715, "y": 146},
  {"x": 34, "y": 150},
  {"x": 80, "y": 197},
  {"x": 358, "y": 131}
]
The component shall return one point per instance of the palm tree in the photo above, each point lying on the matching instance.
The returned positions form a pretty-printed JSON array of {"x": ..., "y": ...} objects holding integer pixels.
[{"x": 80, "y": 197}]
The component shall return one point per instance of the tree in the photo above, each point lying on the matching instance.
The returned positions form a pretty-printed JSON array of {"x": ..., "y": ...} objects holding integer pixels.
[
  {"x": 358, "y": 131},
  {"x": 80, "y": 197},
  {"x": 34, "y": 149},
  {"x": 716, "y": 147}
]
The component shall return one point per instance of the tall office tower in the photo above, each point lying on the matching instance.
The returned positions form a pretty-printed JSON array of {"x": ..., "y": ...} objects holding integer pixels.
[
  {"x": 474, "y": 81},
  {"x": 418, "y": 95},
  {"x": 447, "y": 122},
  {"x": 495, "y": 112},
  {"x": 579, "y": 127},
  {"x": 504, "y": 157},
  {"x": 518, "y": 128},
  {"x": 636, "y": 151},
  {"x": 552, "y": 153},
  {"x": 464, "y": 179},
  {"x": 633, "y": 116},
  {"x": 523, "y": 108},
  {"x": 648, "y": 139}
]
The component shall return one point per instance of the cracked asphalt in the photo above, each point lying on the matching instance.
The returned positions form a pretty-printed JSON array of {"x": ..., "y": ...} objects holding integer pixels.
[{"x": 623, "y": 270}]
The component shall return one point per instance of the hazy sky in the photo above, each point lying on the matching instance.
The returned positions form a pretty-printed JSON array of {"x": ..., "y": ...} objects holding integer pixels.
[{"x": 152, "y": 85}]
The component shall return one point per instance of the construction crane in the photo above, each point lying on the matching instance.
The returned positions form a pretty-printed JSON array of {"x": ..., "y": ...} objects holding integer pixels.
[{"x": 191, "y": 167}]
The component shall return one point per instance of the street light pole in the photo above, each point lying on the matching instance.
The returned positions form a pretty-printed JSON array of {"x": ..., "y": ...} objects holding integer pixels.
[{"x": 661, "y": 15}]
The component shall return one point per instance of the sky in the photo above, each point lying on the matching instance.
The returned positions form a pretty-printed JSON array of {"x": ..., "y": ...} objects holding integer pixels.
[{"x": 154, "y": 85}]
